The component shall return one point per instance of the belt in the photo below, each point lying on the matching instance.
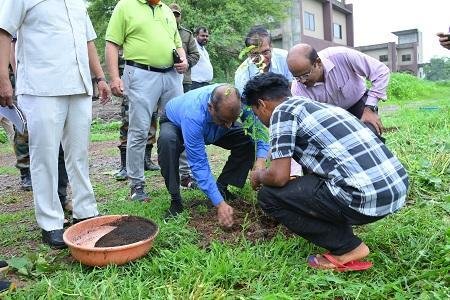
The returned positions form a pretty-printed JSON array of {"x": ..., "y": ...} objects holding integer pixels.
[{"x": 147, "y": 67}]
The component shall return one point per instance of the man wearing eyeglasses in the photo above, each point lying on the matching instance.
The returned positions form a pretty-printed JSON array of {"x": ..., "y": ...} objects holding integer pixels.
[
  {"x": 336, "y": 76},
  {"x": 262, "y": 58}
]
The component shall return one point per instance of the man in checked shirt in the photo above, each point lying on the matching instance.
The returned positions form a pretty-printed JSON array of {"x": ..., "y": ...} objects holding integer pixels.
[{"x": 351, "y": 179}]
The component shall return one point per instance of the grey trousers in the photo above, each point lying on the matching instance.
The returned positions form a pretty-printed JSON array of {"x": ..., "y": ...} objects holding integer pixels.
[{"x": 146, "y": 91}]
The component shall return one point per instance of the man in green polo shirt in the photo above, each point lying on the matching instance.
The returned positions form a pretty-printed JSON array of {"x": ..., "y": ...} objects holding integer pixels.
[{"x": 147, "y": 31}]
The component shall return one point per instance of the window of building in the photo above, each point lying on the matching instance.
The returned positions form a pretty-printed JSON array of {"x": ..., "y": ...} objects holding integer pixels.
[
  {"x": 310, "y": 24},
  {"x": 383, "y": 58},
  {"x": 406, "y": 57},
  {"x": 337, "y": 31}
]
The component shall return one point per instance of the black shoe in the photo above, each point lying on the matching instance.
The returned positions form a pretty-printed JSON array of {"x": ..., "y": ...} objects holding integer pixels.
[
  {"x": 226, "y": 194},
  {"x": 188, "y": 182},
  {"x": 75, "y": 220},
  {"x": 25, "y": 181},
  {"x": 3, "y": 266},
  {"x": 174, "y": 210},
  {"x": 5, "y": 286},
  {"x": 138, "y": 193},
  {"x": 149, "y": 165},
  {"x": 54, "y": 238}
]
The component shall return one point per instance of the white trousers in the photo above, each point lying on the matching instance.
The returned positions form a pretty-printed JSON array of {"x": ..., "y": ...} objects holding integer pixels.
[{"x": 51, "y": 120}]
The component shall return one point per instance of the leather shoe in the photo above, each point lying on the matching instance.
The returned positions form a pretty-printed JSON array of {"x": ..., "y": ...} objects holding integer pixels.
[
  {"x": 54, "y": 238},
  {"x": 75, "y": 220}
]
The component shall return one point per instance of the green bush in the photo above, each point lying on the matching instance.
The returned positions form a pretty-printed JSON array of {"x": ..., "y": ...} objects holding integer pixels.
[{"x": 403, "y": 86}]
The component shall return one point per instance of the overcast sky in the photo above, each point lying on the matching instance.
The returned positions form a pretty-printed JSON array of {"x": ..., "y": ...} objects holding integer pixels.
[{"x": 374, "y": 20}]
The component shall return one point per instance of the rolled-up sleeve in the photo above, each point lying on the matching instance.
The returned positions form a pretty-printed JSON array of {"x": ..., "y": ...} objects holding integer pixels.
[{"x": 198, "y": 159}]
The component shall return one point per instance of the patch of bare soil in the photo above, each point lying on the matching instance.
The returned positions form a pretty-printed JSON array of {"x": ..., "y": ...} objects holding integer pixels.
[
  {"x": 108, "y": 112},
  {"x": 249, "y": 222}
]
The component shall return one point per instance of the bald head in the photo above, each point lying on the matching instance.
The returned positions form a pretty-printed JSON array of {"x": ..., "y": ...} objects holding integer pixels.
[
  {"x": 225, "y": 106},
  {"x": 304, "y": 64}
]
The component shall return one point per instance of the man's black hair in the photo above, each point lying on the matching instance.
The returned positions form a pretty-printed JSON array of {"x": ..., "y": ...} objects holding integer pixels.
[
  {"x": 267, "y": 86},
  {"x": 256, "y": 34},
  {"x": 201, "y": 28}
]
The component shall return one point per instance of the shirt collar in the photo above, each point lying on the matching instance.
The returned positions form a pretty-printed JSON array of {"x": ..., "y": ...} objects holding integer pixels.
[
  {"x": 146, "y": 2},
  {"x": 327, "y": 65}
]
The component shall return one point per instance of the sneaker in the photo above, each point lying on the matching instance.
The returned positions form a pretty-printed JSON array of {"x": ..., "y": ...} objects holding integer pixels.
[
  {"x": 138, "y": 193},
  {"x": 121, "y": 175},
  {"x": 174, "y": 210},
  {"x": 188, "y": 182}
]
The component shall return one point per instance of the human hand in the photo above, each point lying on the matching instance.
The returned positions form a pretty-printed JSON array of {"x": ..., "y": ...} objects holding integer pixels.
[
  {"x": 181, "y": 67},
  {"x": 116, "y": 87},
  {"x": 6, "y": 92},
  {"x": 225, "y": 215},
  {"x": 444, "y": 39},
  {"x": 371, "y": 117},
  {"x": 104, "y": 92},
  {"x": 255, "y": 179}
]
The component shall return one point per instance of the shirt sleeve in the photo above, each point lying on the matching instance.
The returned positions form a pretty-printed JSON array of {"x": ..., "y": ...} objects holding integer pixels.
[
  {"x": 198, "y": 159},
  {"x": 12, "y": 14},
  {"x": 116, "y": 27},
  {"x": 283, "y": 130},
  {"x": 373, "y": 70},
  {"x": 90, "y": 32},
  {"x": 241, "y": 76}
]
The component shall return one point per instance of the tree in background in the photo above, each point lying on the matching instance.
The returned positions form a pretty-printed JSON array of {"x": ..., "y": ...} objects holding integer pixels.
[
  {"x": 227, "y": 21},
  {"x": 437, "y": 69}
]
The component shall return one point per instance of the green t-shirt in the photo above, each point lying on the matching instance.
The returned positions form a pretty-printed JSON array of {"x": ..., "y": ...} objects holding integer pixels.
[{"x": 147, "y": 35}]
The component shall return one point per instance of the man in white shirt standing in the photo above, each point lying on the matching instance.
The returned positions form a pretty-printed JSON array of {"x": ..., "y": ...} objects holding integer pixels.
[
  {"x": 54, "y": 90},
  {"x": 202, "y": 72}
]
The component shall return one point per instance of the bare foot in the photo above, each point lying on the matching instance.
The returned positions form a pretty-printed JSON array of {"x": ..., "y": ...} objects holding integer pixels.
[{"x": 358, "y": 253}]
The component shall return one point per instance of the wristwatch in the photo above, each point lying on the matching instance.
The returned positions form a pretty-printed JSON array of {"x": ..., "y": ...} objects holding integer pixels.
[
  {"x": 98, "y": 79},
  {"x": 373, "y": 108}
]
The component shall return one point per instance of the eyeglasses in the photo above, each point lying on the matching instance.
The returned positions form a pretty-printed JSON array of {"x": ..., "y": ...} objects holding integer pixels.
[
  {"x": 305, "y": 76},
  {"x": 265, "y": 53},
  {"x": 176, "y": 14}
]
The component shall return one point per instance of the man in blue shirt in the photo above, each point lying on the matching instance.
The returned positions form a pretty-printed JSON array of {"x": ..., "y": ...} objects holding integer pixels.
[{"x": 200, "y": 117}]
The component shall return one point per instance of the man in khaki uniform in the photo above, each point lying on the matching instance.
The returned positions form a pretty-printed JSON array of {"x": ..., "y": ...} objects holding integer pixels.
[{"x": 188, "y": 40}]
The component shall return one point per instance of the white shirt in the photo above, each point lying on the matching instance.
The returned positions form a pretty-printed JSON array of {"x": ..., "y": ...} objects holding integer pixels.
[
  {"x": 203, "y": 70},
  {"x": 248, "y": 69},
  {"x": 52, "y": 35}
]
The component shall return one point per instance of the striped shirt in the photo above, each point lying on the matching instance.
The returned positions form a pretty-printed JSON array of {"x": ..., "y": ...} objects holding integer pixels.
[{"x": 328, "y": 141}]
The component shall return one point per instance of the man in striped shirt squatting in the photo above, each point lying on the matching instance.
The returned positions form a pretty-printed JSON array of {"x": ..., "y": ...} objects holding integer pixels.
[{"x": 351, "y": 179}]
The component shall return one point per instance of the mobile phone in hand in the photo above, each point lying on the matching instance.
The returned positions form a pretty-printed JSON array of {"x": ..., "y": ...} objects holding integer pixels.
[{"x": 176, "y": 57}]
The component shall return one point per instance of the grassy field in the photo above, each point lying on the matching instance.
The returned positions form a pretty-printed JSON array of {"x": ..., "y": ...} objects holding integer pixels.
[{"x": 410, "y": 249}]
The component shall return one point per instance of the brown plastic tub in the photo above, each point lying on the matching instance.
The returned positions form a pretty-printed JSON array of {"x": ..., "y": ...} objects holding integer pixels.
[{"x": 81, "y": 239}]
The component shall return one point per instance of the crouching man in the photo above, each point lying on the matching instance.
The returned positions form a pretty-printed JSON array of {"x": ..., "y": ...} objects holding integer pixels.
[
  {"x": 352, "y": 178},
  {"x": 207, "y": 116}
]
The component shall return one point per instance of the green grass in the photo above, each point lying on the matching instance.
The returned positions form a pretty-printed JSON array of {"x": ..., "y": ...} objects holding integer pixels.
[{"x": 410, "y": 249}]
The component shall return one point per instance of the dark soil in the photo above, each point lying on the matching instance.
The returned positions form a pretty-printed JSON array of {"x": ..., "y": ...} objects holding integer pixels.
[
  {"x": 250, "y": 223},
  {"x": 129, "y": 230}
]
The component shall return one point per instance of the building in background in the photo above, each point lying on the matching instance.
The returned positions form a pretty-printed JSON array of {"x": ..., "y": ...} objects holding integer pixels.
[
  {"x": 320, "y": 23},
  {"x": 403, "y": 56}
]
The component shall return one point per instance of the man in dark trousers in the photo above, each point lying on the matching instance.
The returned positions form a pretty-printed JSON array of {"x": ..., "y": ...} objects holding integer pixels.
[
  {"x": 204, "y": 116},
  {"x": 351, "y": 177}
]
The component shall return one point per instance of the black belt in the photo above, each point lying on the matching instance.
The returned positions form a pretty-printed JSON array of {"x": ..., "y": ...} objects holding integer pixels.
[{"x": 147, "y": 67}]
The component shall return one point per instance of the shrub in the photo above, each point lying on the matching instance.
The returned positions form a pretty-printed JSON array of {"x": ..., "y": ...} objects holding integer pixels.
[{"x": 403, "y": 86}]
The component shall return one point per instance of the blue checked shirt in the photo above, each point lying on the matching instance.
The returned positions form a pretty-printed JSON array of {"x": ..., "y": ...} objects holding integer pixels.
[{"x": 328, "y": 141}]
